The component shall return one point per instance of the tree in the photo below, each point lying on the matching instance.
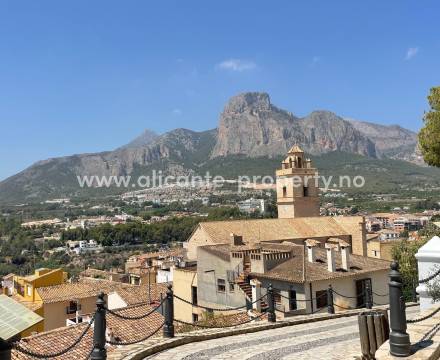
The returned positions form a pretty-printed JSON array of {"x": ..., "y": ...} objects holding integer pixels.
[
  {"x": 404, "y": 252},
  {"x": 430, "y": 134}
]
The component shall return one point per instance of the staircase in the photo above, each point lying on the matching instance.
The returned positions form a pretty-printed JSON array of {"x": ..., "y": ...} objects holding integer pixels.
[{"x": 243, "y": 283}]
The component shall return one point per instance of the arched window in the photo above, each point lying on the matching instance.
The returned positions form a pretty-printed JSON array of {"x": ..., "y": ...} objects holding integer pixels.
[{"x": 284, "y": 191}]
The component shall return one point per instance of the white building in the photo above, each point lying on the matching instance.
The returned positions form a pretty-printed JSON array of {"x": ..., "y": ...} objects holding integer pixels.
[
  {"x": 87, "y": 246},
  {"x": 428, "y": 262},
  {"x": 252, "y": 205}
]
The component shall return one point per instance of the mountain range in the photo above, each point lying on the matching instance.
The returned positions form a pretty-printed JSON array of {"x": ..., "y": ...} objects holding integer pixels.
[{"x": 250, "y": 128}]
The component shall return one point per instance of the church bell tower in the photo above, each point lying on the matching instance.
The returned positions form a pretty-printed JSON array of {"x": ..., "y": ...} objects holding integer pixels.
[{"x": 297, "y": 190}]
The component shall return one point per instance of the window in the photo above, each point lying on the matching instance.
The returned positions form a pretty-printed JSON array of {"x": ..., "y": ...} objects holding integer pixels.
[
  {"x": 73, "y": 307},
  {"x": 194, "y": 295},
  {"x": 195, "y": 317},
  {"x": 284, "y": 191},
  {"x": 221, "y": 285},
  {"x": 306, "y": 190},
  {"x": 29, "y": 290},
  {"x": 292, "y": 300},
  {"x": 231, "y": 287}
]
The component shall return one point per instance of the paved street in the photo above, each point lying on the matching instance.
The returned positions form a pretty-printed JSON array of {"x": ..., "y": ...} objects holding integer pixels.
[{"x": 336, "y": 339}]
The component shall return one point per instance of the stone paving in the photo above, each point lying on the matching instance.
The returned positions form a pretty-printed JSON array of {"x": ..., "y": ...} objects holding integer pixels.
[{"x": 335, "y": 339}]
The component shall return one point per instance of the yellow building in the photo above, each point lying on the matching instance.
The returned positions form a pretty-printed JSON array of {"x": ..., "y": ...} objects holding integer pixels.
[
  {"x": 26, "y": 290},
  {"x": 185, "y": 286},
  {"x": 25, "y": 286},
  {"x": 381, "y": 249}
]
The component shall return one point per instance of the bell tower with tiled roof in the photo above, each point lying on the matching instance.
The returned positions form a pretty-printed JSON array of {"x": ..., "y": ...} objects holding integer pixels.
[{"x": 297, "y": 189}]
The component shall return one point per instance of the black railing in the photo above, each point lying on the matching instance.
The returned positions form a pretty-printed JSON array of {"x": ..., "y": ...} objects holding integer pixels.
[
  {"x": 399, "y": 339},
  {"x": 400, "y": 344}
]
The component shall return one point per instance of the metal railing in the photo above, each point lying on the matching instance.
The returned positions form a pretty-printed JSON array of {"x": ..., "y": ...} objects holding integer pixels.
[
  {"x": 400, "y": 344},
  {"x": 399, "y": 339}
]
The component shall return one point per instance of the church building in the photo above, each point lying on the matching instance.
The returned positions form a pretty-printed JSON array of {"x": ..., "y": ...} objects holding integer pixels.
[
  {"x": 299, "y": 253},
  {"x": 298, "y": 216}
]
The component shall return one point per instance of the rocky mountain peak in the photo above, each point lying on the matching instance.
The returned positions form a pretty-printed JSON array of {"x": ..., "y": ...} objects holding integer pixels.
[
  {"x": 247, "y": 102},
  {"x": 250, "y": 125},
  {"x": 144, "y": 139}
]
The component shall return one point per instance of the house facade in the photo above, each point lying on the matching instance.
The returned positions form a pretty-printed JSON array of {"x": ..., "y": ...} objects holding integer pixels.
[{"x": 235, "y": 275}]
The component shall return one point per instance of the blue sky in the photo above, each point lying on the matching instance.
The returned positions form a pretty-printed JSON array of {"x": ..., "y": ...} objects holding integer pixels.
[{"x": 84, "y": 76}]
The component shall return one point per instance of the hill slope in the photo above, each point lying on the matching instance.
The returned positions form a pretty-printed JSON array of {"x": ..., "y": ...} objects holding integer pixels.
[{"x": 253, "y": 134}]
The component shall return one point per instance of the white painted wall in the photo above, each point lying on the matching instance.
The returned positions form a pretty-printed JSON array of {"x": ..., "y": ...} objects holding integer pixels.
[
  {"x": 114, "y": 301},
  {"x": 428, "y": 261}
]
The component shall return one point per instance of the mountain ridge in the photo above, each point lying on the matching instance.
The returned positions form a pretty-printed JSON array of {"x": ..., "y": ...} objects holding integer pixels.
[{"x": 250, "y": 125}]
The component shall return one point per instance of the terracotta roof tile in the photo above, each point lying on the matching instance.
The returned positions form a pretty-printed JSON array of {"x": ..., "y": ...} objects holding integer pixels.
[
  {"x": 292, "y": 270},
  {"x": 58, "y": 339},
  {"x": 84, "y": 288},
  {"x": 260, "y": 230},
  {"x": 139, "y": 294}
]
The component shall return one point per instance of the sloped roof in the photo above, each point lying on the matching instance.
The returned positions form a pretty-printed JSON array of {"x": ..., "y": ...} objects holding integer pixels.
[
  {"x": 260, "y": 230},
  {"x": 15, "y": 317},
  {"x": 295, "y": 149},
  {"x": 139, "y": 294},
  {"x": 299, "y": 270},
  {"x": 31, "y": 305},
  {"x": 57, "y": 339},
  {"x": 84, "y": 288}
]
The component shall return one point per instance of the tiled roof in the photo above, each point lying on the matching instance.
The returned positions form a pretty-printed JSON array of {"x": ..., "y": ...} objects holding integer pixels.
[
  {"x": 132, "y": 330},
  {"x": 90, "y": 272},
  {"x": 299, "y": 270},
  {"x": 139, "y": 294},
  {"x": 295, "y": 149},
  {"x": 54, "y": 340},
  {"x": 123, "y": 330},
  {"x": 260, "y": 230},
  {"x": 84, "y": 288}
]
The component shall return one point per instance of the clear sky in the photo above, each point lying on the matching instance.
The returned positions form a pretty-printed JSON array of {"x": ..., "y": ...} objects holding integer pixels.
[{"x": 84, "y": 76}]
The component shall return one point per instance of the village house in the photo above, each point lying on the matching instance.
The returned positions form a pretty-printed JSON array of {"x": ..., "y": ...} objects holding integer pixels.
[
  {"x": 154, "y": 267},
  {"x": 231, "y": 275},
  {"x": 62, "y": 303},
  {"x": 25, "y": 289},
  {"x": 381, "y": 249},
  {"x": 7, "y": 284},
  {"x": 185, "y": 286},
  {"x": 388, "y": 234}
]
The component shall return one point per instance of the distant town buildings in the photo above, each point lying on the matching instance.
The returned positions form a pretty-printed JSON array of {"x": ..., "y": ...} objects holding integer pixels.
[{"x": 252, "y": 205}]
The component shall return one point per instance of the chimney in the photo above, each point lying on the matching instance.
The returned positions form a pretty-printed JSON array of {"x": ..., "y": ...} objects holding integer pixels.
[
  {"x": 311, "y": 249},
  {"x": 236, "y": 240},
  {"x": 331, "y": 263},
  {"x": 345, "y": 256}
]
